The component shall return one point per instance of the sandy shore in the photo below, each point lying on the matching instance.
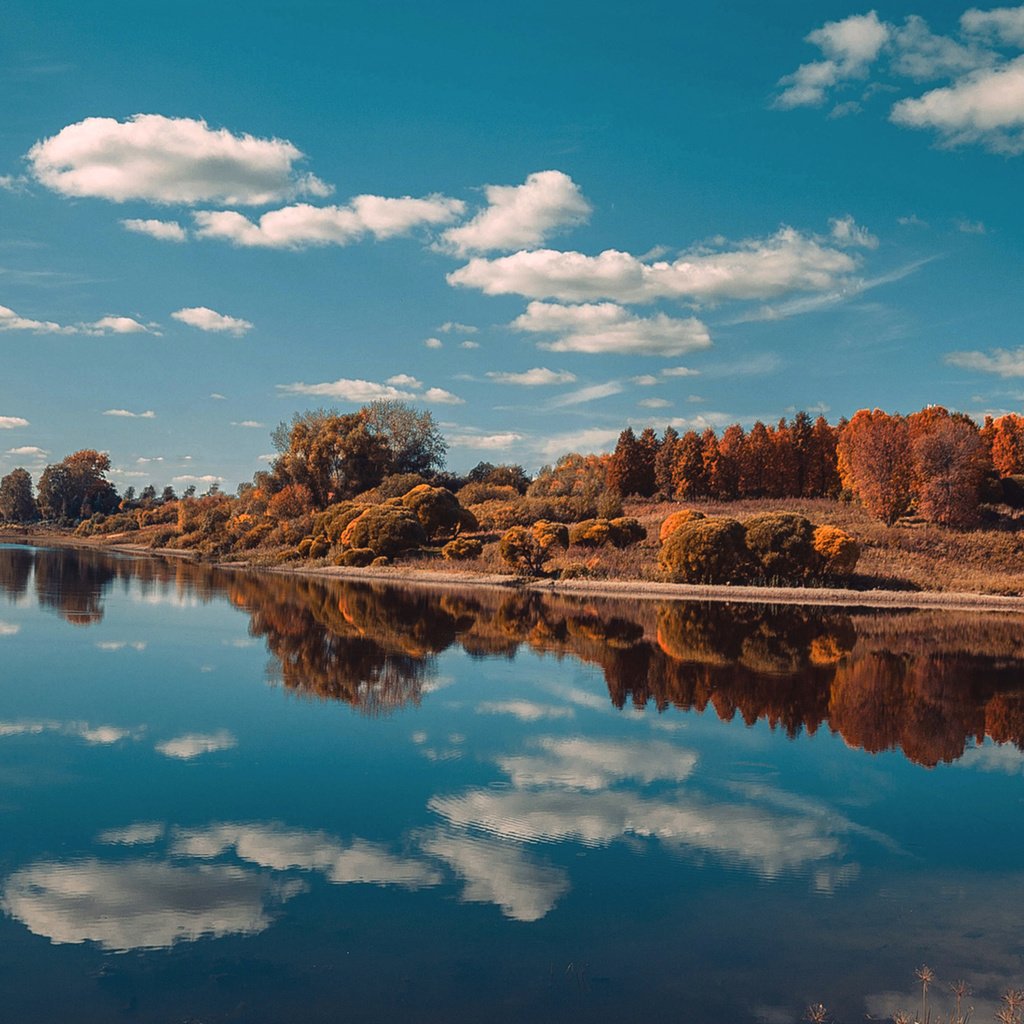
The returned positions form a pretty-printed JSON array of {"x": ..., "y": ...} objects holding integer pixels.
[{"x": 449, "y": 578}]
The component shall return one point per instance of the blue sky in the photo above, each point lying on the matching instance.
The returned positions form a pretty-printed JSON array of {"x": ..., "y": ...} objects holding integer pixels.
[{"x": 542, "y": 223}]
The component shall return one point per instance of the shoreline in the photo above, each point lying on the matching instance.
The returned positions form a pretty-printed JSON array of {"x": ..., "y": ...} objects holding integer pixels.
[{"x": 641, "y": 590}]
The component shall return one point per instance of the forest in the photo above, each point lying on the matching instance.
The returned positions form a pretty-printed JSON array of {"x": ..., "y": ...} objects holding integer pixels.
[{"x": 369, "y": 487}]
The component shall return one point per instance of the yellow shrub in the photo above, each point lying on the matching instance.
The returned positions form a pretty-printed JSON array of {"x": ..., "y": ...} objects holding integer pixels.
[
  {"x": 675, "y": 520},
  {"x": 837, "y": 549}
]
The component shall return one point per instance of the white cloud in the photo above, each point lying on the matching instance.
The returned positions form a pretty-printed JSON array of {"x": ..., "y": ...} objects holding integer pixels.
[
  {"x": 519, "y": 216},
  {"x": 985, "y": 106},
  {"x": 301, "y": 225},
  {"x": 850, "y": 47},
  {"x": 8, "y": 629},
  {"x": 119, "y": 325},
  {"x": 524, "y": 710},
  {"x": 208, "y": 478},
  {"x": 679, "y": 371},
  {"x": 846, "y": 231},
  {"x": 206, "y": 319},
  {"x": 580, "y": 763},
  {"x": 1005, "y": 24},
  {"x": 217, "y": 396},
  {"x": 11, "y": 321},
  {"x": 249, "y": 424},
  {"x": 12, "y": 183},
  {"x": 280, "y": 849},
  {"x": 591, "y": 439},
  {"x": 192, "y": 745},
  {"x": 591, "y": 393},
  {"x": 362, "y": 391},
  {"x": 434, "y": 343},
  {"x": 29, "y": 449},
  {"x": 468, "y": 344},
  {"x": 120, "y": 645},
  {"x": 140, "y": 834},
  {"x": 484, "y": 442},
  {"x": 605, "y": 327},
  {"x": 11, "y": 422},
  {"x": 785, "y": 262},
  {"x": 644, "y": 380},
  {"x": 404, "y": 380},
  {"x": 450, "y": 326},
  {"x": 715, "y": 420},
  {"x": 920, "y": 54},
  {"x": 169, "y": 160},
  {"x": 971, "y": 227},
  {"x": 165, "y": 230},
  {"x": 654, "y": 403},
  {"x": 1001, "y": 361},
  {"x": 500, "y": 873},
  {"x": 128, "y": 414},
  {"x": 539, "y": 375},
  {"x": 138, "y": 904}
]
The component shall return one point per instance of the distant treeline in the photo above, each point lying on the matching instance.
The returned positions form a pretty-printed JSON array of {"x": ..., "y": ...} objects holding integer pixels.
[{"x": 939, "y": 465}]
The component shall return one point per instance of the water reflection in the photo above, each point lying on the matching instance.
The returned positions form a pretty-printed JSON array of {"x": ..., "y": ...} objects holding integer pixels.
[{"x": 925, "y": 682}]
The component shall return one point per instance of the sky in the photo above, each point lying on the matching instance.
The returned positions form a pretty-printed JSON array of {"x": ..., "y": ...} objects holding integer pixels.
[{"x": 541, "y": 222}]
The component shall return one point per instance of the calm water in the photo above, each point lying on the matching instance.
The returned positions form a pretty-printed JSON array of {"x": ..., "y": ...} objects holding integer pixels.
[{"x": 228, "y": 797}]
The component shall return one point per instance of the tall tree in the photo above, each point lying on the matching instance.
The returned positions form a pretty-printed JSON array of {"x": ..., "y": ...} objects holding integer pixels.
[
  {"x": 663, "y": 463},
  {"x": 77, "y": 487},
  {"x": 689, "y": 480},
  {"x": 875, "y": 463},
  {"x": 415, "y": 443},
  {"x": 755, "y": 474},
  {"x": 16, "y": 502},
  {"x": 950, "y": 462},
  {"x": 623, "y": 467},
  {"x": 1007, "y": 444}
]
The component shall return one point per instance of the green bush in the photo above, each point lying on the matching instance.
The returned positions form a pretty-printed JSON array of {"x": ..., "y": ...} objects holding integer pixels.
[
  {"x": 782, "y": 545},
  {"x": 710, "y": 550}
]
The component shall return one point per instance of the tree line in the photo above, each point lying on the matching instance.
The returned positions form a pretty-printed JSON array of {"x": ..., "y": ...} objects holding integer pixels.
[{"x": 937, "y": 464}]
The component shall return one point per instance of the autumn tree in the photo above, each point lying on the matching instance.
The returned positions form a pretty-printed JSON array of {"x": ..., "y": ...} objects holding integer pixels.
[
  {"x": 755, "y": 472},
  {"x": 631, "y": 467},
  {"x": 1007, "y": 444},
  {"x": 16, "y": 502},
  {"x": 663, "y": 462},
  {"x": 688, "y": 476},
  {"x": 732, "y": 451},
  {"x": 336, "y": 456},
  {"x": 875, "y": 463},
  {"x": 77, "y": 487},
  {"x": 412, "y": 437},
  {"x": 949, "y": 464}
]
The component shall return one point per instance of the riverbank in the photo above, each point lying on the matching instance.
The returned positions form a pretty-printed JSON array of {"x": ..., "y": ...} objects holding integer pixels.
[{"x": 443, "y": 575}]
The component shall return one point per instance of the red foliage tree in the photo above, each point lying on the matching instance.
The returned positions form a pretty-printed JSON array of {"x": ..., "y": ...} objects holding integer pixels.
[{"x": 875, "y": 463}]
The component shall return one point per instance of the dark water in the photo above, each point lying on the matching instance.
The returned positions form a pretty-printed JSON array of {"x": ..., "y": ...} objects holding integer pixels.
[{"x": 229, "y": 797}]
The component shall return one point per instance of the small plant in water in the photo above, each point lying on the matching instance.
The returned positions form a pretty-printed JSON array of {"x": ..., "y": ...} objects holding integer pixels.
[{"x": 816, "y": 1013}]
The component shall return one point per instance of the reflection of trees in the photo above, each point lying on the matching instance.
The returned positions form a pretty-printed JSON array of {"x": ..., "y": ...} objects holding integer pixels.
[
  {"x": 15, "y": 570},
  {"x": 923, "y": 682}
]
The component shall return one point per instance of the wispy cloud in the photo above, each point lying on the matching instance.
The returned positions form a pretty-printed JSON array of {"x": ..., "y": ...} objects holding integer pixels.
[
  {"x": 362, "y": 391},
  {"x": 128, "y": 414}
]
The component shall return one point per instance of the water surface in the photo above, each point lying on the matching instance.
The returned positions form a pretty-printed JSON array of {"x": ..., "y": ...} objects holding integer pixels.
[{"x": 242, "y": 797}]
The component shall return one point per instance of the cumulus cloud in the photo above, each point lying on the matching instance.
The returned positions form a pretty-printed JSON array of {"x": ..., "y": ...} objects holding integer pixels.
[
  {"x": 12, "y": 422},
  {"x": 11, "y": 321},
  {"x": 129, "y": 415},
  {"x": 500, "y": 873},
  {"x": 302, "y": 225},
  {"x": 193, "y": 744},
  {"x": 139, "y": 904},
  {"x": 248, "y": 424},
  {"x": 1004, "y": 24},
  {"x": 279, "y": 849},
  {"x": 608, "y": 328},
  {"x": 1001, "y": 361},
  {"x": 787, "y": 261},
  {"x": 140, "y": 834},
  {"x": 519, "y": 216},
  {"x": 119, "y": 325},
  {"x": 165, "y": 230},
  {"x": 453, "y": 326},
  {"x": 169, "y": 160},
  {"x": 29, "y": 449},
  {"x": 539, "y": 375},
  {"x": 434, "y": 343},
  {"x": 362, "y": 391},
  {"x": 985, "y": 106},
  {"x": 850, "y": 46},
  {"x": 846, "y": 231},
  {"x": 207, "y": 478},
  {"x": 468, "y": 344},
  {"x": 921, "y": 54},
  {"x": 405, "y": 380},
  {"x": 591, "y": 439},
  {"x": 206, "y": 319}
]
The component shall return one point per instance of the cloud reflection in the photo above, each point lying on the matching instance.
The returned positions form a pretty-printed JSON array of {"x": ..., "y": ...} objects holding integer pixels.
[{"x": 194, "y": 744}]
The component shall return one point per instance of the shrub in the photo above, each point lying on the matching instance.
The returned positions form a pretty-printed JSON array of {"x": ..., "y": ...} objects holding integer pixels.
[
  {"x": 591, "y": 533},
  {"x": 379, "y": 561},
  {"x": 331, "y": 523},
  {"x": 291, "y": 502},
  {"x": 574, "y": 571},
  {"x": 549, "y": 535},
  {"x": 162, "y": 538},
  {"x": 837, "y": 550},
  {"x": 676, "y": 519},
  {"x": 390, "y": 487},
  {"x": 476, "y": 493},
  {"x": 626, "y": 531},
  {"x": 521, "y": 550},
  {"x": 355, "y": 557},
  {"x": 385, "y": 529},
  {"x": 437, "y": 509},
  {"x": 782, "y": 544},
  {"x": 709, "y": 550},
  {"x": 462, "y": 548},
  {"x": 609, "y": 504}
]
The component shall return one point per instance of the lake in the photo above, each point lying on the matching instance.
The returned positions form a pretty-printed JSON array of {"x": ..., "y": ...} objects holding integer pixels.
[{"x": 233, "y": 796}]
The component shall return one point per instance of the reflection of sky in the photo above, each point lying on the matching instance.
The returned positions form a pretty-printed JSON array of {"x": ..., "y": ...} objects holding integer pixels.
[{"x": 514, "y": 800}]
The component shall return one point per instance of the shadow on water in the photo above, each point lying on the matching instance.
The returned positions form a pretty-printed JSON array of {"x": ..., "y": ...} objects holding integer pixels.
[{"x": 924, "y": 682}]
